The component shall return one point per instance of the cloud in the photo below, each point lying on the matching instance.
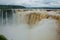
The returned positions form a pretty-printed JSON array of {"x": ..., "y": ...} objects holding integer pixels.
[{"x": 32, "y": 3}]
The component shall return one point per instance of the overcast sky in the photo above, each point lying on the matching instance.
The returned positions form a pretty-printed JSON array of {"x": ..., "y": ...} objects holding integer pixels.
[{"x": 32, "y": 3}]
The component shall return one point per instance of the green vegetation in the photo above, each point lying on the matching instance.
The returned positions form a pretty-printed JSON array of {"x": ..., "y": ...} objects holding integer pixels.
[
  {"x": 11, "y": 7},
  {"x": 2, "y": 37}
]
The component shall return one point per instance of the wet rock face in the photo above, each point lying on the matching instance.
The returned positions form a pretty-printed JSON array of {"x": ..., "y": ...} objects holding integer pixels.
[{"x": 9, "y": 13}]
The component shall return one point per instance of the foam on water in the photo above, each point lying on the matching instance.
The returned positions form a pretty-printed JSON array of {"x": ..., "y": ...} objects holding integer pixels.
[{"x": 44, "y": 30}]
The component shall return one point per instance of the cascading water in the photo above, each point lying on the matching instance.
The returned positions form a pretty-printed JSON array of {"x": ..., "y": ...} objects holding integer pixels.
[{"x": 14, "y": 28}]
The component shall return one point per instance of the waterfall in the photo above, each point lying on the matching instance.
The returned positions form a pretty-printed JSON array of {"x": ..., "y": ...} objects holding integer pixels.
[{"x": 14, "y": 27}]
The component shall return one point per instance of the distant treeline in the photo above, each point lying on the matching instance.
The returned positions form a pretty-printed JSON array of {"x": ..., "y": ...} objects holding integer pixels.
[
  {"x": 23, "y": 7},
  {"x": 43, "y": 7},
  {"x": 11, "y": 7}
]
